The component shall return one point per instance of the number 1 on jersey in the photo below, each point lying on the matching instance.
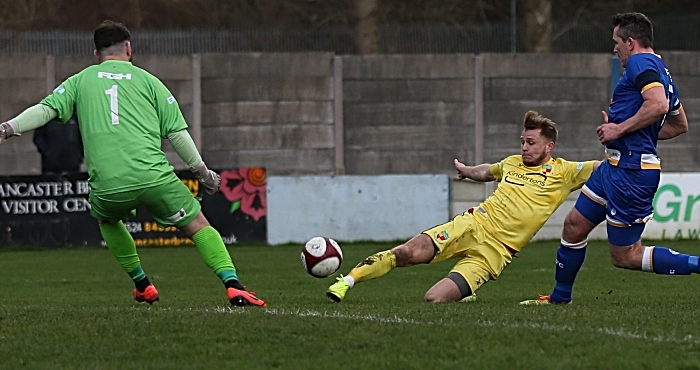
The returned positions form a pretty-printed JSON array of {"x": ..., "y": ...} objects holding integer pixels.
[{"x": 113, "y": 103}]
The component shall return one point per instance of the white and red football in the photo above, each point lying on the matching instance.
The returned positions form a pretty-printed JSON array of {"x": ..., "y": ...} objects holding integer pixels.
[{"x": 321, "y": 257}]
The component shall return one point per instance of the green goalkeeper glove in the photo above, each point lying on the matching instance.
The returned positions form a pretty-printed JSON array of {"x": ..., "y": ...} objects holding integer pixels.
[
  {"x": 210, "y": 179},
  {"x": 7, "y": 131}
]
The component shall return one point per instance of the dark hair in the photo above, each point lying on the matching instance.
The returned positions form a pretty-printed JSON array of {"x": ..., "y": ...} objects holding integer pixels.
[
  {"x": 109, "y": 33},
  {"x": 533, "y": 121},
  {"x": 636, "y": 26}
]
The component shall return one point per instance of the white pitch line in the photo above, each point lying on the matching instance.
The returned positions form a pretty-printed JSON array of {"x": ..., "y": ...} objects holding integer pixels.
[{"x": 621, "y": 333}]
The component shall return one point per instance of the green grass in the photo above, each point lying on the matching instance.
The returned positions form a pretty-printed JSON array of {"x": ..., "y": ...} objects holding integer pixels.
[{"x": 72, "y": 309}]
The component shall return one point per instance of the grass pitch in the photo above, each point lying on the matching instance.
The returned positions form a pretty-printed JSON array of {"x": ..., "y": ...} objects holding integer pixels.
[{"x": 72, "y": 309}]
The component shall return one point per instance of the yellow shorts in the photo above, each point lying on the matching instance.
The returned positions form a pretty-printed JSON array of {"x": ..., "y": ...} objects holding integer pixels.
[{"x": 482, "y": 257}]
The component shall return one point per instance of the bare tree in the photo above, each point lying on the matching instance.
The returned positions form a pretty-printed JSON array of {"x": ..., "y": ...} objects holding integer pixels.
[
  {"x": 538, "y": 26},
  {"x": 21, "y": 14},
  {"x": 366, "y": 30}
]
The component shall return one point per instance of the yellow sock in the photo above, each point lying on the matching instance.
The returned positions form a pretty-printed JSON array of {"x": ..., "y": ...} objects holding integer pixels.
[{"x": 374, "y": 266}]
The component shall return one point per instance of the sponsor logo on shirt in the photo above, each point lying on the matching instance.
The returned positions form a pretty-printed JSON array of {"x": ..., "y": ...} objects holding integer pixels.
[
  {"x": 171, "y": 99},
  {"x": 442, "y": 235},
  {"x": 60, "y": 89},
  {"x": 579, "y": 165},
  {"x": 114, "y": 76},
  {"x": 532, "y": 178}
]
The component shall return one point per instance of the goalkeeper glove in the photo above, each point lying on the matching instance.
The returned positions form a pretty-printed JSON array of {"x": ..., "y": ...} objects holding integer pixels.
[
  {"x": 7, "y": 130},
  {"x": 210, "y": 179}
]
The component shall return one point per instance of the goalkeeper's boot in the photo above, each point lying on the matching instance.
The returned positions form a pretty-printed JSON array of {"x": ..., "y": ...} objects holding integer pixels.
[
  {"x": 336, "y": 292},
  {"x": 240, "y": 298},
  {"x": 149, "y": 295},
  {"x": 542, "y": 300}
]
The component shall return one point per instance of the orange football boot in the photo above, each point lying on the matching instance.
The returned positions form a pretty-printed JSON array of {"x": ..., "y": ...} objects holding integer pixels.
[
  {"x": 149, "y": 295},
  {"x": 240, "y": 298}
]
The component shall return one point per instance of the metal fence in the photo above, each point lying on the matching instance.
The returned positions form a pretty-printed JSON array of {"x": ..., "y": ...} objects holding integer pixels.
[{"x": 677, "y": 33}]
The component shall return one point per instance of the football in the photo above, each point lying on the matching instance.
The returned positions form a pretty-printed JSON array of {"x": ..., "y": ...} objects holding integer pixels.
[{"x": 321, "y": 257}]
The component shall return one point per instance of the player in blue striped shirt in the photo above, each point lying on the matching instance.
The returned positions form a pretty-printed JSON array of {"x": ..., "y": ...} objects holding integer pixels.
[{"x": 644, "y": 108}]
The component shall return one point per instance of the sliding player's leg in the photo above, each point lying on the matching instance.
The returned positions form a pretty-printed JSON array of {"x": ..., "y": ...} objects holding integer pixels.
[
  {"x": 483, "y": 259},
  {"x": 417, "y": 250},
  {"x": 433, "y": 245}
]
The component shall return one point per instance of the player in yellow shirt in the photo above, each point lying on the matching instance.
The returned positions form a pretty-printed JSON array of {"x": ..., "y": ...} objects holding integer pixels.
[{"x": 484, "y": 239}]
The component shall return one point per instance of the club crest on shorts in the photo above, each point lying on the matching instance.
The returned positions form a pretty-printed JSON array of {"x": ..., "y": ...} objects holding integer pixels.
[
  {"x": 177, "y": 217},
  {"x": 442, "y": 236}
]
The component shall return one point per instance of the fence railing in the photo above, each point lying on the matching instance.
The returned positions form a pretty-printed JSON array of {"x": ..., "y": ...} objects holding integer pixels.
[{"x": 677, "y": 33}]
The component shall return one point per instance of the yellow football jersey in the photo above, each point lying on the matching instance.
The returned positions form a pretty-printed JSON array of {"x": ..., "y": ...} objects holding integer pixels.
[{"x": 527, "y": 196}]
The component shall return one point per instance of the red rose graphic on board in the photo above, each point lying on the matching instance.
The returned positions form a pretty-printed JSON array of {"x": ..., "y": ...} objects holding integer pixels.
[{"x": 245, "y": 189}]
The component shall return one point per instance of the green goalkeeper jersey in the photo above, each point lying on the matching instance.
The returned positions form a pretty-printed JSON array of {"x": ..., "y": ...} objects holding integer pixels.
[{"x": 124, "y": 112}]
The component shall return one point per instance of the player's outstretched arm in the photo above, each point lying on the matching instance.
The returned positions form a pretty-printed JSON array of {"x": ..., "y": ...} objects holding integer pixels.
[
  {"x": 675, "y": 125},
  {"x": 481, "y": 173},
  {"x": 186, "y": 149},
  {"x": 32, "y": 118}
]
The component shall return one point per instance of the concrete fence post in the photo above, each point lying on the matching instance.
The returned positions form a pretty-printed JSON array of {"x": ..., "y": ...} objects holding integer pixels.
[
  {"x": 478, "y": 109},
  {"x": 338, "y": 115},
  {"x": 196, "y": 125},
  {"x": 50, "y": 66}
]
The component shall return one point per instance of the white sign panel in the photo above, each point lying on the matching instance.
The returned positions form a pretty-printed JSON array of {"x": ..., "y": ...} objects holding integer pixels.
[
  {"x": 354, "y": 208},
  {"x": 676, "y": 208}
]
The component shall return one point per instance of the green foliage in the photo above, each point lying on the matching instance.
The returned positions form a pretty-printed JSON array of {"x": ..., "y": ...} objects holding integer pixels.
[{"x": 72, "y": 308}]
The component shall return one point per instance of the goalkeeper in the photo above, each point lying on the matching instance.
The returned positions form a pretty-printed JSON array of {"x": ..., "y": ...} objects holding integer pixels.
[
  {"x": 124, "y": 113},
  {"x": 484, "y": 240}
]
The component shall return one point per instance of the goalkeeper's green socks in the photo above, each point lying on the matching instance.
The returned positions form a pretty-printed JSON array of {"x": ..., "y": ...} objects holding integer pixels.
[
  {"x": 207, "y": 240},
  {"x": 122, "y": 246},
  {"x": 215, "y": 255}
]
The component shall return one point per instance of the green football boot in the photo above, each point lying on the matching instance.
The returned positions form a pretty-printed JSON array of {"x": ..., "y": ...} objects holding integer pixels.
[
  {"x": 469, "y": 299},
  {"x": 336, "y": 292}
]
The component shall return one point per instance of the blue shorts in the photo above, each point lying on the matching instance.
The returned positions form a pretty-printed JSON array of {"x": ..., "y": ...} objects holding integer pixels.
[{"x": 623, "y": 197}]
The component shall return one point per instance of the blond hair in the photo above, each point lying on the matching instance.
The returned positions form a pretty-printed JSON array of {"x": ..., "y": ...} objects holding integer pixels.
[{"x": 534, "y": 121}]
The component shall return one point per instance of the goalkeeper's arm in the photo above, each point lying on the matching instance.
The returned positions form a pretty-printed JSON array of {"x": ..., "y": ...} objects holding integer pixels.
[
  {"x": 31, "y": 119},
  {"x": 186, "y": 149}
]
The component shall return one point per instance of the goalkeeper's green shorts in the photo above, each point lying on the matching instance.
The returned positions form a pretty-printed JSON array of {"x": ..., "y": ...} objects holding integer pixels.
[{"x": 170, "y": 204}]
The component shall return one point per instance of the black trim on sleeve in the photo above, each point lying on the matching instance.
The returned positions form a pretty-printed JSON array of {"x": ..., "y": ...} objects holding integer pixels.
[{"x": 645, "y": 78}]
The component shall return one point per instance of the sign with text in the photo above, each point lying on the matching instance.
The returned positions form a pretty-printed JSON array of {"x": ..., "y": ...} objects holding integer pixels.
[
  {"x": 46, "y": 211},
  {"x": 53, "y": 211},
  {"x": 676, "y": 208}
]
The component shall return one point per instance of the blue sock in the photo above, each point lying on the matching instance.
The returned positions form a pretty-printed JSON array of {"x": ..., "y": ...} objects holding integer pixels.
[
  {"x": 569, "y": 262},
  {"x": 665, "y": 261}
]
